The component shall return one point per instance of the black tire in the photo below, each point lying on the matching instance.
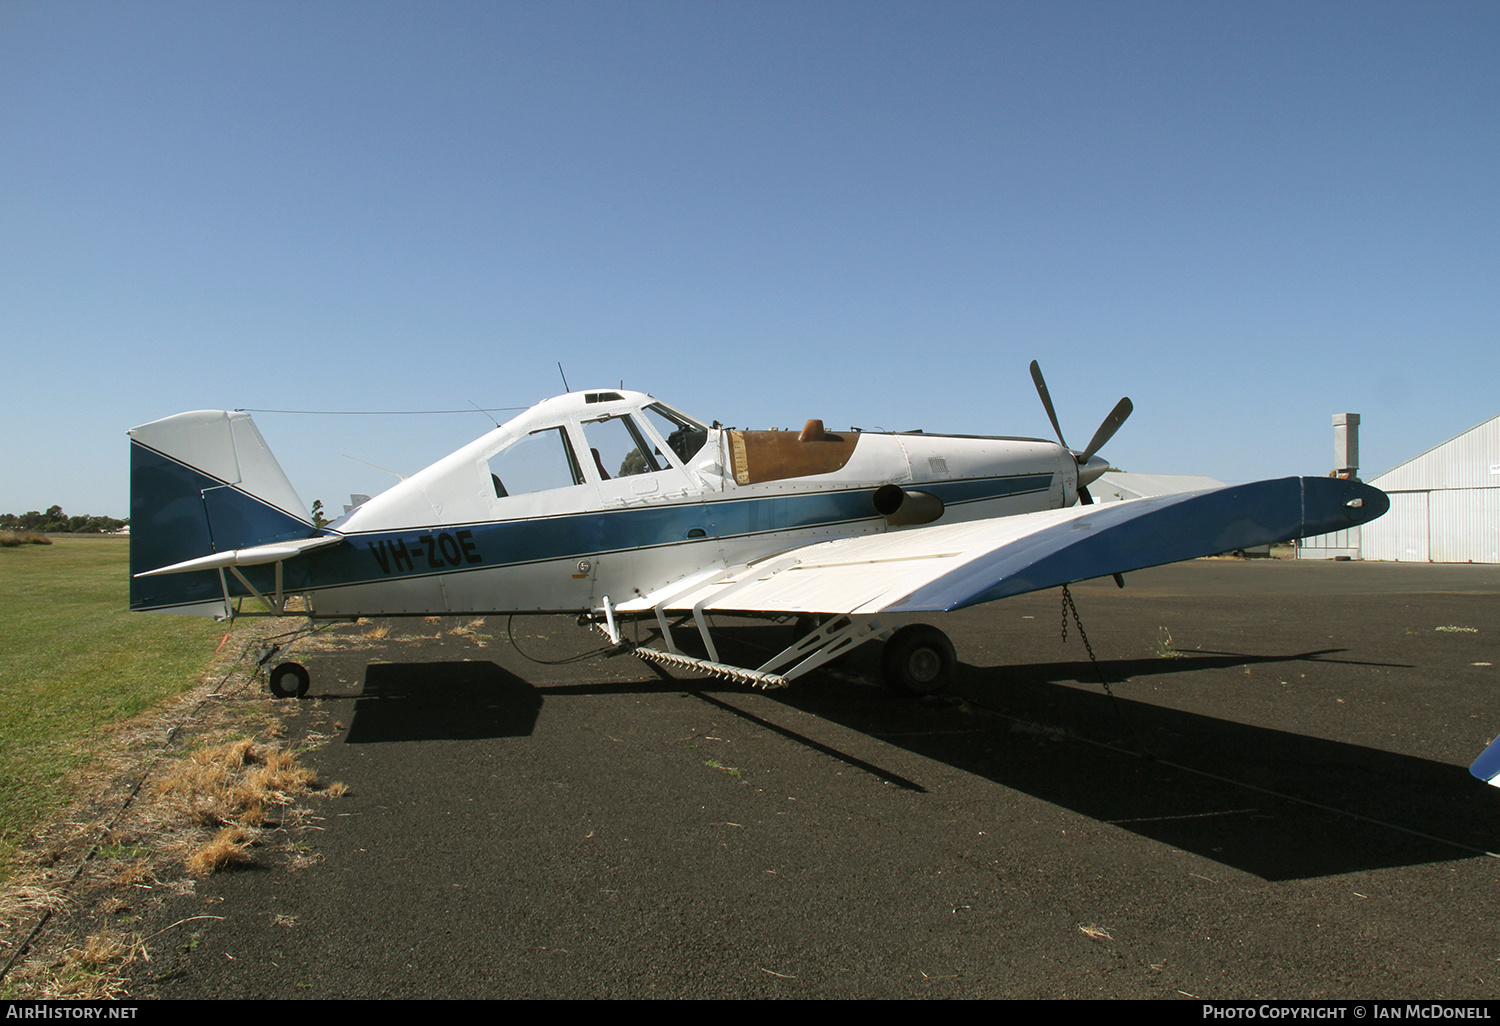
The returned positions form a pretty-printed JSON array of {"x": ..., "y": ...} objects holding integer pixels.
[
  {"x": 918, "y": 661},
  {"x": 805, "y": 624},
  {"x": 290, "y": 680}
]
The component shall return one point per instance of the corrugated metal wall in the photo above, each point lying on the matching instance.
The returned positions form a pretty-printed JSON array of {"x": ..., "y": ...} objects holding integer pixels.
[
  {"x": 1340, "y": 544},
  {"x": 1402, "y": 533},
  {"x": 1471, "y": 460},
  {"x": 1464, "y": 526},
  {"x": 1445, "y": 507}
]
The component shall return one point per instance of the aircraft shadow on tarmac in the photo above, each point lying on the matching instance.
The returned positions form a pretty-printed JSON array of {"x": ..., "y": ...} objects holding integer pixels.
[
  {"x": 1277, "y": 804},
  {"x": 464, "y": 700}
]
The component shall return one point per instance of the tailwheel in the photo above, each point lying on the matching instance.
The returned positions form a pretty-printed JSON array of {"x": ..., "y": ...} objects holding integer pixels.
[
  {"x": 289, "y": 680},
  {"x": 918, "y": 660}
]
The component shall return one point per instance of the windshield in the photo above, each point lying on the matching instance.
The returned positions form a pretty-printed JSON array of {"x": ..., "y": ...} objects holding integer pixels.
[{"x": 685, "y": 436}]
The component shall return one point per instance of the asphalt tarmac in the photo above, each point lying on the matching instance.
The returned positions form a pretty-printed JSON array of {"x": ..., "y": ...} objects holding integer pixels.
[{"x": 1270, "y": 801}]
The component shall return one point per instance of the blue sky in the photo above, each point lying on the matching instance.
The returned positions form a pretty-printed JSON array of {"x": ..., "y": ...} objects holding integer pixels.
[{"x": 1245, "y": 216}]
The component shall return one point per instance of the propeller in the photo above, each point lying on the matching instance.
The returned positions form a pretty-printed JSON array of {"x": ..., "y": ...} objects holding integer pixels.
[{"x": 1106, "y": 431}]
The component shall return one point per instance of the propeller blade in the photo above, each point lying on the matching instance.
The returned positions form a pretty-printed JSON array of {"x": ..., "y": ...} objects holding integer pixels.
[
  {"x": 1041, "y": 390},
  {"x": 1107, "y": 429}
]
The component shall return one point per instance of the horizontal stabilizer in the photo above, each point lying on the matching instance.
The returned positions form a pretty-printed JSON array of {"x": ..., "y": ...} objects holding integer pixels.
[{"x": 255, "y": 556}]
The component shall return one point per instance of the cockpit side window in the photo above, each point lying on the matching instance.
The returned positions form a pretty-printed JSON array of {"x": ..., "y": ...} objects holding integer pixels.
[
  {"x": 537, "y": 462},
  {"x": 684, "y": 436},
  {"x": 619, "y": 448}
]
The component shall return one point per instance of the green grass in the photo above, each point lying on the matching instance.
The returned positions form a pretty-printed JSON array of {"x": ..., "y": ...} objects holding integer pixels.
[
  {"x": 716, "y": 764},
  {"x": 74, "y": 660}
]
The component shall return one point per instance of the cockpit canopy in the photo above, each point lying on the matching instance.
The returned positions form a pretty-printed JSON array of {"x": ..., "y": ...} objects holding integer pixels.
[
  {"x": 615, "y": 444},
  {"x": 540, "y": 461}
]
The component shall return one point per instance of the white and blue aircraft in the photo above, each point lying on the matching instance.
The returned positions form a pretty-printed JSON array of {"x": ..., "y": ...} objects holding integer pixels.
[{"x": 619, "y": 507}]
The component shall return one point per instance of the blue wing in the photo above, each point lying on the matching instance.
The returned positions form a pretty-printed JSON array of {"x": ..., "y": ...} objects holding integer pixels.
[
  {"x": 949, "y": 566},
  {"x": 1123, "y": 536},
  {"x": 1487, "y": 766}
]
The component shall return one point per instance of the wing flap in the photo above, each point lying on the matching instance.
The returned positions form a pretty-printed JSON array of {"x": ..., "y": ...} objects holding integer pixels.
[{"x": 839, "y": 575}]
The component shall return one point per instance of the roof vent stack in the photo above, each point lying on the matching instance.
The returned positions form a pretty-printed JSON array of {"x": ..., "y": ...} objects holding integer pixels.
[{"x": 1346, "y": 445}]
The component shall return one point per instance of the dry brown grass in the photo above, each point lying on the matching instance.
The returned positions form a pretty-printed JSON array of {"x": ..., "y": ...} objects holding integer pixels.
[
  {"x": 226, "y": 801},
  {"x": 467, "y": 630},
  {"x": 94, "y": 970},
  {"x": 238, "y": 789},
  {"x": 106, "y": 948},
  {"x": 10, "y": 539},
  {"x": 133, "y": 873},
  {"x": 229, "y": 847},
  {"x": 27, "y": 898}
]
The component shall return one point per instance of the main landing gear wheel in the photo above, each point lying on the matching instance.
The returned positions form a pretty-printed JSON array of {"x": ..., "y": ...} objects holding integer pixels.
[
  {"x": 290, "y": 680},
  {"x": 918, "y": 661}
]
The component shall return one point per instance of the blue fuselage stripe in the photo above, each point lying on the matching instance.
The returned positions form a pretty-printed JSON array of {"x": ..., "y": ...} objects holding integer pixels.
[
  {"x": 383, "y": 554},
  {"x": 442, "y": 549}
]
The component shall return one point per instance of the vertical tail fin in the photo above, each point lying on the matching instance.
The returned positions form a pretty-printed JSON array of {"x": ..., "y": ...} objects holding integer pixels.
[{"x": 202, "y": 483}]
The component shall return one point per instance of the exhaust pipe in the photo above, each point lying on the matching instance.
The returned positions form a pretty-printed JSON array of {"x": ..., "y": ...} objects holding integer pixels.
[{"x": 901, "y": 507}]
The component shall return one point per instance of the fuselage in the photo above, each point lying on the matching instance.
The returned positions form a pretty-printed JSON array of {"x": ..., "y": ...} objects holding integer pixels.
[{"x": 613, "y": 493}]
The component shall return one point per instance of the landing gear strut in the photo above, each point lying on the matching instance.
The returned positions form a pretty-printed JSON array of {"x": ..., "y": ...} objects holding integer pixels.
[{"x": 918, "y": 660}]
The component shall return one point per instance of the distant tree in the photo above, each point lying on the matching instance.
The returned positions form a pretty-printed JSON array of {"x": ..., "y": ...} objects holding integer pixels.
[
  {"x": 633, "y": 463},
  {"x": 58, "y": 522},
  {"x": 319, "y": 520},
  {"x": 94, "y": 524}
]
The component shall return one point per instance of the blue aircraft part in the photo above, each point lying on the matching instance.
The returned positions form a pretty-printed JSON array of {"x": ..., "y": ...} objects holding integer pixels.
[
  {"x": 1487, "y": 766},
  {"x": 955, "y": 493},
  {"x": 382, "y": 555},
  {"x": 179, "y": 513},
  {"x": 1119, "y": 537}
]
